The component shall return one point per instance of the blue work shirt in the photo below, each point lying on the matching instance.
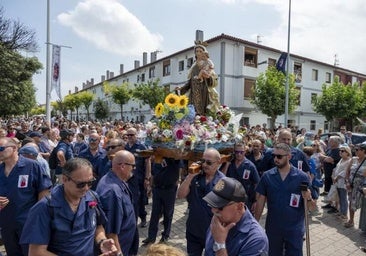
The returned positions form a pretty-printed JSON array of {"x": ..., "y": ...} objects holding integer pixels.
[
  {"x": 21, "y": 187},
  {"x": 246, "y": 173},
  {"x": 66, "y": 148},
  {"x": 296, "y": 156},
  {"x": 117, "y": 204},
  {"x": 284, "y": 200},
  {"x": 200, "y": 214},
  {"x": 53, "y": 223},
  {"x": 93, "y": 159},
  {"x": 247, "y": 237},
  {"x": 140, "y": 161}
]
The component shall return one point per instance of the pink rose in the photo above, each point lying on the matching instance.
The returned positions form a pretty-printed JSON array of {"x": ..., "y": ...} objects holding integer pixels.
[
  {"x": 179, "y": 134},
  {"x": 92, "y": 204}
]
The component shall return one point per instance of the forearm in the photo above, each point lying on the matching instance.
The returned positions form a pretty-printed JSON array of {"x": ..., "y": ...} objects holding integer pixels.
[
  {"x": 116, "y": 241},
  {"x": 43, "y": 193},
  {"x": 222, "y": 252},
  {"x": 39, "y": 250},
  {"x": 261, "y": 200},
  {"x": 184, "y": 188}
]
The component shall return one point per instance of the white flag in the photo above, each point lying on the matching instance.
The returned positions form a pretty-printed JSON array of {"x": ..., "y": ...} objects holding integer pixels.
[{"x": 56, "y": 70}]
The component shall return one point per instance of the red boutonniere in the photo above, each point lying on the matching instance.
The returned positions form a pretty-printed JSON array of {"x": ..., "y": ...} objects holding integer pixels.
[{"x": 92, "y": 204}]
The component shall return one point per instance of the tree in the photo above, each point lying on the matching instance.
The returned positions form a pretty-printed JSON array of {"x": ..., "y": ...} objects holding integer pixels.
[
  {"x": 101, "y": 109},
  {"x": 16, "y": 88},
  {"x": 86, "y": 99},
  {"x": 340, "y": 101},
  {"x": 69, "y": 103},
  {"x": 120, "y": 94},
  {"x": 14, "y": 35},
  {"x": 59, "y": 106},
  {"x": 38, "y": 110},
  {"x": 269, "y": 94},
  {"x": 151, "y": 93}
]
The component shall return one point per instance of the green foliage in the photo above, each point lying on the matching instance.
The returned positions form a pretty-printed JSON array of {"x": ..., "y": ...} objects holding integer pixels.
[
  {"x": 60, "y": 106},
  {"x": 86, "y": 99},
  {"x": 16, "y": 88},
  {"x": 269, "y": 94},
  {"x": 120, "y": 94},
  {"x": 341, "y": 101},
  {"x": 150, "y": 93},
  {"x": 101, "y": 109},
  {"x": 38, "y": 110}
]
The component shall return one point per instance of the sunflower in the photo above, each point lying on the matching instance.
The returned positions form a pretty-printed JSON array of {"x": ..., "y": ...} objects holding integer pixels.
[
  {"x": 183, "y": 101},
  {"x": 172, "y": 100},
  {"x": 159, "y": 110}
]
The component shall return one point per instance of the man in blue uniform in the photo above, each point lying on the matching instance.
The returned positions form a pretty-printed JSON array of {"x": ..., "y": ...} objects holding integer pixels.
[
  {"x": 245, "y": 172},
  {"x": 233, "y": 230},
  {"x": 142, "y": 173},
  {"x": 69, "y": 221},
  {"x": 22, "y": 183},
  {"x": 194, "y": 188},
  {"x": 165, "y": 179},
  {"x": 281, "y": 188},
  {"x": 116, "y": 199},
  {"x": 298, "y": 158}
]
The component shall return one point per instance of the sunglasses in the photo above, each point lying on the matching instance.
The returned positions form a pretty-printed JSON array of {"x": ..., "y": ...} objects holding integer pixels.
[
  {"x": 222, "y": 208},
  {"x": 342, "y": 151},
  {"x": 133, "y": 165},
  {"x": 278, "y": 156},
  {"x": 92, "y": 140},
  {"x": 2, "y": 148},
  {"x": 239, "y": 152},
  {"x": 130, "y": 135},
  {"x": 113, "y": 146},
  {"x": 82, "y": 184},
  {"x": 208, "y": 162}
]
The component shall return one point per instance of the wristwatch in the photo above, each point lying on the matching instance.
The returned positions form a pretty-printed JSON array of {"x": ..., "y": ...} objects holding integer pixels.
[{"x": 218, "y": 246}]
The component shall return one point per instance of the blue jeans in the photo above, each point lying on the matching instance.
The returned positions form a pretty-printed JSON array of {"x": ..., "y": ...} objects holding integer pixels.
[{"x": 343, "y": 202}]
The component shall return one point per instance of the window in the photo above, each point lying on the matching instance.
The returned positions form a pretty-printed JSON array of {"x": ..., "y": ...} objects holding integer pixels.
[
  {"x": 189, "y": 62},
  {"x": 312, "y": 125},
  {"x": 248, "y": 88},
  {"x": 181, "y": 65},
  {"x": 244, "y": 121},
  {"x": 166, "y": 67},
  {"x": 151, "y": 72},
  {"x": 271, "y": 62},
  {"x": 313, "y": 97},
  {"x": 314, "y": 75},
  {"x": 138, "y": 78},
  {"x": 298, "y": 101},
  {"x": 143, "y": 77},
  {"x": 250, "y": 57},
  {"x": 328, "y": 77},
  {"x": 326, "y": 125},
  {"x": 298, "y": 72}
]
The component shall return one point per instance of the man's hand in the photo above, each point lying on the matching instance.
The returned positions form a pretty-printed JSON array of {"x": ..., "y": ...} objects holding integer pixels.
[
  {"x": 3, "y": 202},
  {"x": 220, "y": 230},
  {"x": 108, "y": 248}
]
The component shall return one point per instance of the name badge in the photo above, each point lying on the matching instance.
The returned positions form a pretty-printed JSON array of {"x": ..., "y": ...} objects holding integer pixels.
[{"x": 23, "y": 181}]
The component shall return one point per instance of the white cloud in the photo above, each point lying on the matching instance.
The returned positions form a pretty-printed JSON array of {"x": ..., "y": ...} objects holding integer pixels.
[{"x": 111, "y": 27}]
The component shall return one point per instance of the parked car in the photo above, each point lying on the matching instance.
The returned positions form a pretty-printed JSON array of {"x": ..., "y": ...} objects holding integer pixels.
[{"x": 356, "y": 137}]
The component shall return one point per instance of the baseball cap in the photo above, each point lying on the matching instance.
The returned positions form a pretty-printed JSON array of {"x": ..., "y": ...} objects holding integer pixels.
[
  {"x": 28, "y": 150},
  {"x": 35, "y": 134},
  {"x": 225, "y": 191}
]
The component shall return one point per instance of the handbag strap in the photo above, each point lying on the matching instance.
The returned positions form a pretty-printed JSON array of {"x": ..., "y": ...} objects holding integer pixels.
[{"x": 354, "y": 175}]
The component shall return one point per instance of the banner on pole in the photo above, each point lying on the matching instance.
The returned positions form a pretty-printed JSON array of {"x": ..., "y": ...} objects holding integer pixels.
[
  {"x": 281, "y": 63},
  {"x": 56, "y": 70}
]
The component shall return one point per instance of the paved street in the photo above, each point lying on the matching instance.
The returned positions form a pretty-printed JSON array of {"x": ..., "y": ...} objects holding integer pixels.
[{"x": 327, "y": 234}]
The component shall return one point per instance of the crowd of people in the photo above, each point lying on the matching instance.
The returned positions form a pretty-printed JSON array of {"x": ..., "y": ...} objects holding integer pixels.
[{"x": 81, "y": 188}]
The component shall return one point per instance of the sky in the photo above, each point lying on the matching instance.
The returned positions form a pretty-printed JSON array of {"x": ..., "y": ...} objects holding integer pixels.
[{"x": 103, "y": 34}]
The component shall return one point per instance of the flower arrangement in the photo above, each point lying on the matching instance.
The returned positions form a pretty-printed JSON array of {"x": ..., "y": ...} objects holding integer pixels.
[{"x": 177, "y": 125}]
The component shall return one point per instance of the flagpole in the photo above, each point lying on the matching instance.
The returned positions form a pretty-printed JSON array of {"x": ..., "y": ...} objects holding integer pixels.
[
  {"x": 287, "y": 65},
  {"x": 48, "y": 89}
]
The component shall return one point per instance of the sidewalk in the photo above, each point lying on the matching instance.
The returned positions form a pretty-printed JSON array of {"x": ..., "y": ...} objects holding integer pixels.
[{"x": 328, "y": 236}]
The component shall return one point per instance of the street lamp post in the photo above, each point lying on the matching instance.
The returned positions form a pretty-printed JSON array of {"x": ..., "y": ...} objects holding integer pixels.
[{"x": 287, "y": 64}]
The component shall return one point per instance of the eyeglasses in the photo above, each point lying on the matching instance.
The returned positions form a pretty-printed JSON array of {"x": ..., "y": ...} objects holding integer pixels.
[
  {"x": 2, "y": 148},
  {"x": 342, "y": 151},
  {"x": 239, "y": 152},
  {"x": 82, "y": 184},
  {"x": 208, "y": 162},
  {"x": 113, "y": 146},
  {"x": 222, "y": 208},
  {"x": 130, "y": 135},
  {"x": 278, "y": 156},
  {"x": 93, "y": 139},
  {"x": 133, "y": 165}
]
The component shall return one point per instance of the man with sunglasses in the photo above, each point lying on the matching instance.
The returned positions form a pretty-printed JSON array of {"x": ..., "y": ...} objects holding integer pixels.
[
  {"x": 245, "y": 172},
  {"x": 281, "y": 188},
  {"x": 194, "y": 188},
  {"x": 117, "y": 202},
  {"x": 70, "y": 220},
  {"x": 233, "y": 229},
  {"x": 142, "y": 172},
  {"x": 22, "y": 183}
]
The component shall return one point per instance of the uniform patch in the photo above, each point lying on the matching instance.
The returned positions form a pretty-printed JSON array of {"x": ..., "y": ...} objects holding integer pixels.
[
  {"x": 295, "y": 200},
  {"x": 246, "y": 174},
  {"x": 219, "y": 185},
  {"x": 23, "y": 181}
]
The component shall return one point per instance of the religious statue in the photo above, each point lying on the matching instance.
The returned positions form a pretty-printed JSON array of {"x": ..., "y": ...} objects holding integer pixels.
[{"x": 202, "y": 80}]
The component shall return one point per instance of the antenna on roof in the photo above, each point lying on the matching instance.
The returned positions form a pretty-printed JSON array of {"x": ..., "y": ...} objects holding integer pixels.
[
  {"x": 259, "y": 39},
  {"x": 336, "y": 60}
]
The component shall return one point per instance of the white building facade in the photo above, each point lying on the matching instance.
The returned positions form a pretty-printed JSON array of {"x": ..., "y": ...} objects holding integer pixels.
[{"x": 237, "y": 63}]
